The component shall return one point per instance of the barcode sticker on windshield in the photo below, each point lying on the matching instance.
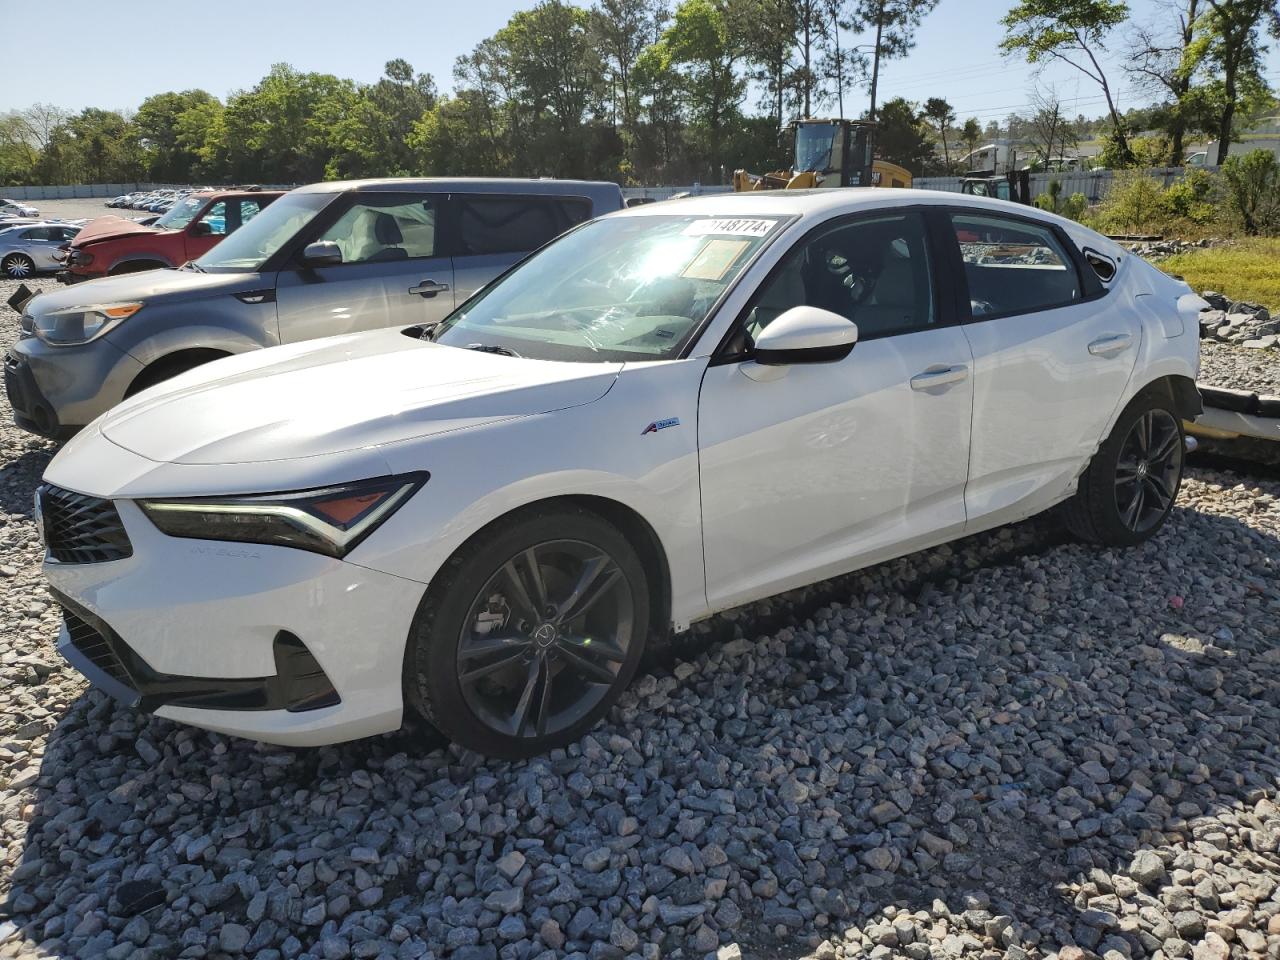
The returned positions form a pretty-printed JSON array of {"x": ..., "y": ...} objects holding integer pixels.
[{"x": 729, "y": 228}]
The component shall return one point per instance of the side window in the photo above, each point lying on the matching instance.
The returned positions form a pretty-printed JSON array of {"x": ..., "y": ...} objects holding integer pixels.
[
  {"x": 495, "y": 224},
  {"x": 1013, "y": 266},
  {"x": 248, "y": 210},
  {"x": 216, "y": 218},
  {"x": 874, "y": 271},
  {"x": 376, "y": 229}
]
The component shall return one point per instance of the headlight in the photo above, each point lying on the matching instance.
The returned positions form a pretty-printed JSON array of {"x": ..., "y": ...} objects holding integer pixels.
[
  {"x": 329, "y": 520},
  {"x": 81, "y": 324}
]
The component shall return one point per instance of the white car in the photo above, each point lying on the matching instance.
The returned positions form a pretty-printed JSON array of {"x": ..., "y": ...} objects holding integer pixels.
[
  {"x": 667, "y": 412},
  {"x": 12, "y": 208}
]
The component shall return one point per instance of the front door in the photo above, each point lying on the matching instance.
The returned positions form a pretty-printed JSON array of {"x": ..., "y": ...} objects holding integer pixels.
[
  {"x": 813, "y": 469},
  {"x": 1050, "y": 360},
  {"x": 391, "y": 273}
]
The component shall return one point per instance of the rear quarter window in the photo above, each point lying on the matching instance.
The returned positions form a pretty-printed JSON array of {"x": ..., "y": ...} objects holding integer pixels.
[{"x": 497, "y": 224}]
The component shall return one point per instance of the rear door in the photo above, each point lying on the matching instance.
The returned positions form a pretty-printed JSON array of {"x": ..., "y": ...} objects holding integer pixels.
[
  {"x": 395, "y": 270},
  {"x": 1052, "y": 355},
  {"x": 495, "y": 231}
]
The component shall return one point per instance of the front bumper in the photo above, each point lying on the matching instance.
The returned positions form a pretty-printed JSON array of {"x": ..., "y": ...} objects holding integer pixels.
[
  {"x": 55, "y": 391},
  {"x": 269, "y": 643}
]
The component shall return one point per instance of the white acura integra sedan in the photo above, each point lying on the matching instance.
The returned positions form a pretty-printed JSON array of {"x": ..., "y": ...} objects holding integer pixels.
[{"x": 665, "y": 413}]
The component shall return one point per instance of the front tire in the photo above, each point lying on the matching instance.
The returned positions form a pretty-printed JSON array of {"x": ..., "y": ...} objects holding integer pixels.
[
  {"x": 1127, "y": 492},
  {"x": 18, "y": 266},
  {"x": 529, "y": 634}
]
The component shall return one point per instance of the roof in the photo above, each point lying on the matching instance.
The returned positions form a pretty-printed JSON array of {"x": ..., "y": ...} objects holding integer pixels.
[
  {"x": 820, "y": 203},
  {"x": 479, "y": 184}
]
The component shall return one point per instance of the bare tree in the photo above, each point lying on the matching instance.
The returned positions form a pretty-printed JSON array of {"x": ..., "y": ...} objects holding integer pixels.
[
  {"x": 1048, "y": 127},
  {"x": 40, "y": 121},
  {"x": 1162, "y": 61}
]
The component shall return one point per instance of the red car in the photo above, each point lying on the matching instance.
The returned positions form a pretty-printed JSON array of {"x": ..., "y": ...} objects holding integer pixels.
[{"x": 113, "y": 245}]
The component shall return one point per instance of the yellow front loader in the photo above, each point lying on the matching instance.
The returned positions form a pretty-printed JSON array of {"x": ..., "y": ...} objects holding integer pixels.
[{"x": 828, "y": 153}]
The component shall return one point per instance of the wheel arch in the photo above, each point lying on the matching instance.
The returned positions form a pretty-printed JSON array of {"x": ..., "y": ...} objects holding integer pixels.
[
  {"x": 1180, "y": 389},
  {"x": 138, "y": 263},
  {"x": 638, "y": 531},
  {"x": 171, "y": 364}
]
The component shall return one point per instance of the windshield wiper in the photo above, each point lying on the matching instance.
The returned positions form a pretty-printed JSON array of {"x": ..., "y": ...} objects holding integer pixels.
[
  {"x": 191, "y": 264},
  {"x": 492, "y": 348}
]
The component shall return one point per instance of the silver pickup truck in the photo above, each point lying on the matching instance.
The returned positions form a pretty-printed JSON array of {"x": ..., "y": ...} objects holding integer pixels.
[{"x": 324, "y": 259}]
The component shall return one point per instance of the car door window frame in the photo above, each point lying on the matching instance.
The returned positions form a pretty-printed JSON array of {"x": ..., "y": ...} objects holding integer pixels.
[
  {"x": 940, "y": 269},
  {"x": 291, "y": 253},
  {"x": 1090, "y": 286}
]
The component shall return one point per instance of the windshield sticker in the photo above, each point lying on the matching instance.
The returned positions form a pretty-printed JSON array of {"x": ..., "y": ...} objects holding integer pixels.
[
  {"x": 715, "y": 259},
  {"x": 730, "y": 228}
]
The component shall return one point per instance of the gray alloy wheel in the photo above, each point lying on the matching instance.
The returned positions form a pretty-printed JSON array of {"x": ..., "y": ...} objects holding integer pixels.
[
  {"x": 18, "y": 266},
  {"x": 529, "y": 632},
  {"x": 545, "y": 638},
  {"x": 1148, "y": 470}
]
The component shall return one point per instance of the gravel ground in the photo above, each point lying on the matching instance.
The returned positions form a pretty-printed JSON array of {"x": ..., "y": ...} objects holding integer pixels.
[
  {"x": 1018, "y": 748},
  {"x": 1241, "y": 368}
]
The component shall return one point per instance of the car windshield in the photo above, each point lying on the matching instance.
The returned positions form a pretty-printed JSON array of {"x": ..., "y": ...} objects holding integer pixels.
[
  {"x": 249, "y": 247},
  {"x": 181, "y": 213},
  {"x": 621, "y": 288}
]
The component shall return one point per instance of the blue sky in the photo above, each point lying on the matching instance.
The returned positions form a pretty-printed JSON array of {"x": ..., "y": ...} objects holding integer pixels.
[{"x": 229, "y": 45}]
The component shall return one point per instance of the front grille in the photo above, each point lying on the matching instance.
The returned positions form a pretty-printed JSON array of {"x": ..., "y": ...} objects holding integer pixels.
[
  {"x": 95, "y": 646},
  {"x": 82, "y": 529}
]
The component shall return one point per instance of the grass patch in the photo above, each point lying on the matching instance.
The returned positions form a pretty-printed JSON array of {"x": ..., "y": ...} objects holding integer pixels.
[{"x": 1245, "y": 270}]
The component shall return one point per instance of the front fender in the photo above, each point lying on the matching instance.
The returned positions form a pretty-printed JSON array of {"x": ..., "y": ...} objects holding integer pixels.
[
  {"x": 481, "y": 474},
  {"x": 224, "y": 324}
]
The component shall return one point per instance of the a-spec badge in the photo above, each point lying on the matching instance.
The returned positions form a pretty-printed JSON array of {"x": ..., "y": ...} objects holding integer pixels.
[{"x": 660, "y": 425}]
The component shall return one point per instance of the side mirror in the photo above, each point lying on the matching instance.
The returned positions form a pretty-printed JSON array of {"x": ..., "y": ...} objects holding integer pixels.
[
  {"x": 806, "y": 335},
  {"x": 201, "y": 229},
  {"x": 322, "y": 253}
]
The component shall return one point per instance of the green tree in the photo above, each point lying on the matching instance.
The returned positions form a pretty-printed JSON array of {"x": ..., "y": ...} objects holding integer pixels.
[
  {"x": 703, "y": 49},
  {"x": 157, "y": 121},
  {"x": 893, "y": 24},
  {"x": 971, "y": 133},
  {"x": 943, "y": 116},
  {"x": 1253, "y": 189},
  {"x": 280, "y": 131},
  {"x": 902, "y": 136},
  {"x": 1236, "y": 48},
  {"x": 622, "y": 29},
  {"x": 559, "y": 80},
  {"x": 371, "y": 138},
  {"x": 18, "y": 155},
  {"x": 1072, "y": 32}
]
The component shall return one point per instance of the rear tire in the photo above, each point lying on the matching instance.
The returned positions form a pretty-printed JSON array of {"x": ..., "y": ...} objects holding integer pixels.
[
  {"x": 510, "y": 662},
  {"x": 18, "y": 266},
  {"x": 1126, "y": 493}
]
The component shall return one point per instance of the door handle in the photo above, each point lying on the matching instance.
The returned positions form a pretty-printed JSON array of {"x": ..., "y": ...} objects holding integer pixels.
[
  {"x": 429, "y": 288},
  {"x": 939, "y": 377},
  {"x": 1106, "y": 346}
]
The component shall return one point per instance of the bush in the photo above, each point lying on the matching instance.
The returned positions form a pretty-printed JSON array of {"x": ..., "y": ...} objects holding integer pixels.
[
  {"x": 1193, "y": 197},
  {"x": 1253, "y": 190},
  {"x": 1075, "y": 206},
  {"x": 1134, "y": 204}
]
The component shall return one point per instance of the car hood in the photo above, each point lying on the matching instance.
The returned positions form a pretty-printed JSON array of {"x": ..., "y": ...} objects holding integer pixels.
[
  {"x": 108, "y": 228},
  {"x": 340, "y": 394},
  {"x": 151, "y": 285}
]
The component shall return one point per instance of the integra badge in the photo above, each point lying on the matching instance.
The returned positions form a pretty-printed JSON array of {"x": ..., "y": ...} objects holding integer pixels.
[{"x": 660, "y": 425}]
